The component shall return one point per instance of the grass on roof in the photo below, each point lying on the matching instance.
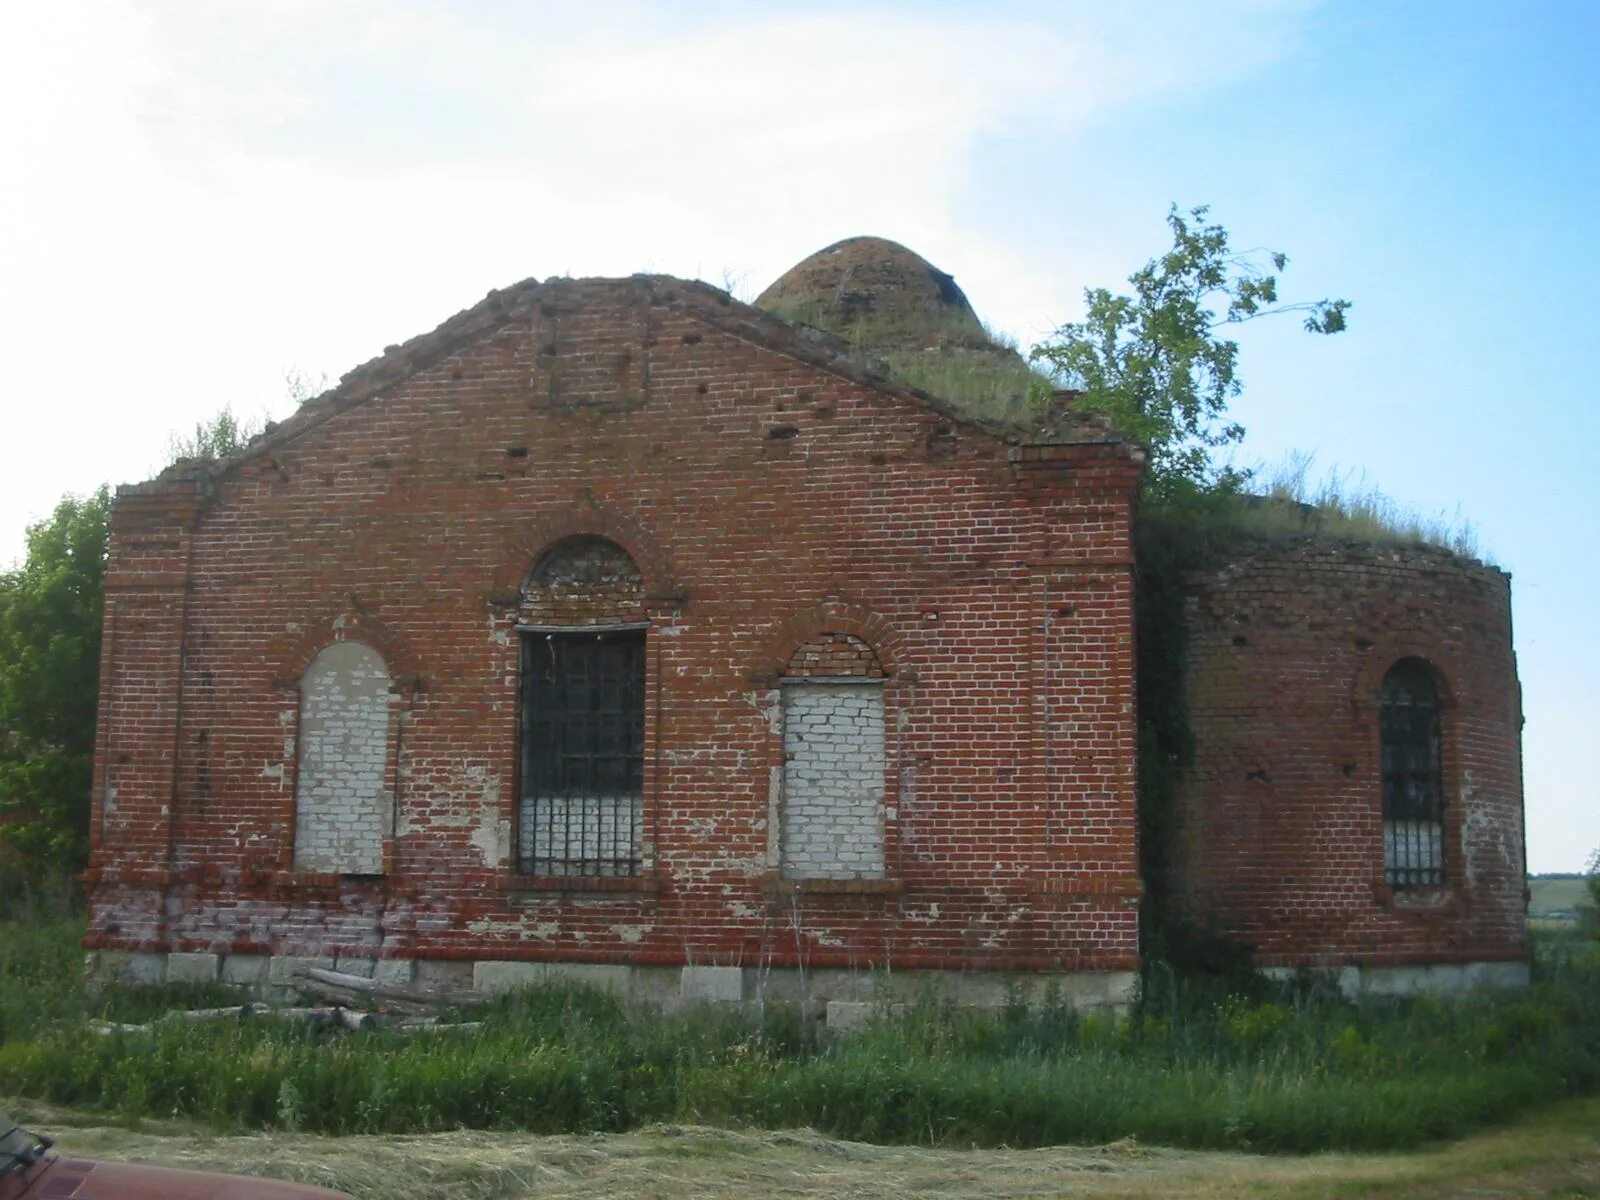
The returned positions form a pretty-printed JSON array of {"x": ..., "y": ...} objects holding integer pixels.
[{"x": 1283, "y": 502}]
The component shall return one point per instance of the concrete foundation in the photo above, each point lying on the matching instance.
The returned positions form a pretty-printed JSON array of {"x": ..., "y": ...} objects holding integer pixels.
[
  {"x": 395, "y": 972},
  {"x": 125, "y": 966},
  {"x": 1420, "y": 978},
  {"x": 192, "y": 968},
  {"x": 245, "y": 970},
  {"x": 713, "y": 985},
  {"x": 844, "y": 997}
]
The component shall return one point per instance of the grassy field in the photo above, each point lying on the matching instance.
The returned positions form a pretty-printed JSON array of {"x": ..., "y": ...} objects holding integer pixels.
[
  {"x": 1555, "y": 1153},
  {"x": 1558, "y": 893}
]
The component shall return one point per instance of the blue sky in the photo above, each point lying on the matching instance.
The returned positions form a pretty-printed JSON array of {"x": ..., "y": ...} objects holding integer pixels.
[{"x": 204, "y": 198}]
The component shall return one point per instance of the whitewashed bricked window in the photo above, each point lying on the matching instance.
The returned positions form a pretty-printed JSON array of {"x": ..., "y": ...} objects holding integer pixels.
[
  {"x": 833, "y": 770},
  {"x": 341, "y": 803}
]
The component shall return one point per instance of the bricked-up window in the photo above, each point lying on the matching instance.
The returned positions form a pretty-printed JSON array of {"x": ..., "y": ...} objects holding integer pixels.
[
  {"x": 832, "y": 779},
  {"x": 582, "y": 752},
  {"x": 341, "y": 808},
  {"x": 833, "y": 770},
  {"x": 1413, "y": 791}
]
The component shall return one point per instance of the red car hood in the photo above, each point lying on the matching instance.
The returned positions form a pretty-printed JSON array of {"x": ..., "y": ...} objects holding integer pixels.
[{"x": 55, "y": 1178}]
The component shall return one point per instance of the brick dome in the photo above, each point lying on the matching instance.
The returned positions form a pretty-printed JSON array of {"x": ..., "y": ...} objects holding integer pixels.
[{"x": 877, "y": 293}]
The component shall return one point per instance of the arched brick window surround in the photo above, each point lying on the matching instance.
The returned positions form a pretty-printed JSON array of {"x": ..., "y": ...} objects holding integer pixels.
[
  {"x": 293, "y": 653},
  {"x": 661, "y": 588},
  {"x": 831, "y": 616}
]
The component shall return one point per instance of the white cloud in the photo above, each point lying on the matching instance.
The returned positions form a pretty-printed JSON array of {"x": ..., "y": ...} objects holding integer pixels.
[{"x": 208, "y": 195}]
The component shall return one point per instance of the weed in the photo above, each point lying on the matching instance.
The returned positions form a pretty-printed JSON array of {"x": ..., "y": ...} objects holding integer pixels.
[
  {"x": 1276, "y": 1067},
  {"x": 1284, "y": 500}
]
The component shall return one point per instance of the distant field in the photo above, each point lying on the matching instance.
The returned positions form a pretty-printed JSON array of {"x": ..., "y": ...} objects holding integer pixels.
[{"x": 1558, "y": 893}]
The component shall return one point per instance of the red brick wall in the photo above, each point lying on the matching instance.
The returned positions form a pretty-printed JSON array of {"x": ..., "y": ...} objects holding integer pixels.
[
  {"x": 1281, "y": 815},
  {"x": 766, "y": 499}
]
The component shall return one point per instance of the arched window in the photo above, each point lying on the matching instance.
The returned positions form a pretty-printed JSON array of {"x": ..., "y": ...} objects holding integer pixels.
[
  {"x": 1413, "y": 789},
  {"x": 833, "y": 770},
  {"x": 341, "y": 809},
  {"x": 582, "y": 712}
]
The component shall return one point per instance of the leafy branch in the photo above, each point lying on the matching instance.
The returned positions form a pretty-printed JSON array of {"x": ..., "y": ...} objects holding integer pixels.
[{"x": 1154, "y": 360}]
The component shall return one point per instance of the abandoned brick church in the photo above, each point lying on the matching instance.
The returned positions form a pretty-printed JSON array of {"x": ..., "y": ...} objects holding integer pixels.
[{"x": 621, "y": 630}]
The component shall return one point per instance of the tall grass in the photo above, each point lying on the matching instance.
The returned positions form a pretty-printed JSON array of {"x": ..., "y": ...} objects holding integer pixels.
[
  {"x": 990, "y": 384},
  {"x": 1288, "y": 1068},
  {"x": 1287, "y": 498}
]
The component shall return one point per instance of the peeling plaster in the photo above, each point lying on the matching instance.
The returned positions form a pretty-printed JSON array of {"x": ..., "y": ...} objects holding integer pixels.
[
  {"x": 492, "y": 926},
  {"x": 702, "y": 829}
]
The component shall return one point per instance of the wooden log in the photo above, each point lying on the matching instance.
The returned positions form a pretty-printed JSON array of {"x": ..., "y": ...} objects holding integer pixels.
[
  {"x": 107, "y": 1028},
  {"x": 350, "y": 998},
  {"x": 315, "y": 1016},
  {"x": 195, "y": 1015},
  {"x": 191, "y": 1016},
  {"x": 198, "y": 1015},
  {"x": 425, "y": 999},
  {"x": 429, "y": 1025},
  {"x": 353, "y": 983}
]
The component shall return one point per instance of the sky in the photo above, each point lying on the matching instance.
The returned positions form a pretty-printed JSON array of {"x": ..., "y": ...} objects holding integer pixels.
[{"x": 223, "y": 204}]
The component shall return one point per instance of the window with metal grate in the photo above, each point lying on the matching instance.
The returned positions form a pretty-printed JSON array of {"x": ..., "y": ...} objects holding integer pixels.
[
  {"x": 1413, "y": 792},
  {"x": 582, "y": 752}
]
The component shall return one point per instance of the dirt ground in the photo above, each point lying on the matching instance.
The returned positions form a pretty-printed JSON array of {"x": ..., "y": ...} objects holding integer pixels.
[{"x": 1555, "y": 1153}]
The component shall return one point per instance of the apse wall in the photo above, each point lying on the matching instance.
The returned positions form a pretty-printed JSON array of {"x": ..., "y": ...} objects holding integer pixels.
[{"x": 1282, "y": 818}]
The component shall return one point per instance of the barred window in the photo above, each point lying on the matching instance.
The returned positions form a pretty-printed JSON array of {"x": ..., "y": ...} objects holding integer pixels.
[
  {"x": 580, "y": 811},
  {"x": 1413, "y": 792},
  {"x": 582, "y": 752}
]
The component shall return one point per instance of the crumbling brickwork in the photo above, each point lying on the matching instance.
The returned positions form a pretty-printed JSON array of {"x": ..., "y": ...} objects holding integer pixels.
[
  {"x": 1281, "y": 817},
  {"x": 762, "y": 492}
]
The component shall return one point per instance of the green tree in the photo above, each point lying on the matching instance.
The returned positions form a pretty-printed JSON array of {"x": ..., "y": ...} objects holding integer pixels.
[
  {"x": 50, "y": 612},
  {"x": 1591, "y": 916},
  {"x": 1154, "y": 359},
  {"x": 50, "y": 616}
]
